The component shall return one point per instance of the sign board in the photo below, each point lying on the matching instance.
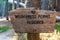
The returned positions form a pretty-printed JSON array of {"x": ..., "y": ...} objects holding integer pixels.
[{"x": 33, "y": 21}]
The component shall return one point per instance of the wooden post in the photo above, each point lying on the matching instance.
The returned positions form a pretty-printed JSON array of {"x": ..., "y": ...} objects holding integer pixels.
[{"x": 34, "y": 36}]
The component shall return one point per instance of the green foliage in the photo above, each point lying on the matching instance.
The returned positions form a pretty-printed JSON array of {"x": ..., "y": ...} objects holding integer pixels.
[
  {"x": 4, "y": 28},
  {"x": 57, "y": 26}
]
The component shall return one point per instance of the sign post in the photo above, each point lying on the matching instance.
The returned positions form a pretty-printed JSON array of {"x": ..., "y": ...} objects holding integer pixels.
[
  {"x": 36, "y": 4},
  {"x": 33, "y": 22}
]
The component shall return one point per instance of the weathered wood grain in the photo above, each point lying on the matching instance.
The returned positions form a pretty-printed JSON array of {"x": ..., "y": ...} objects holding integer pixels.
[{"x": 20, "y": 24}]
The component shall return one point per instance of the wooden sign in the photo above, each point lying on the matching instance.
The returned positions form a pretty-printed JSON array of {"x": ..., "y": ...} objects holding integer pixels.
[{"x": 33, "y": 21}]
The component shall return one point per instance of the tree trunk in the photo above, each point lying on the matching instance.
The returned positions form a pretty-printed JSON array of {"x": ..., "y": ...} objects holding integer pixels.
[
  {"x": 17, "y": 3},
  {"x": 44, "y": 4},
  {"x": 6, "y": 10},
  {"x": 54, "y": 4},
  {"x": 13, "y": 6},
  {"x": 58, "y": 5},
  {"x": 34, "y": 3}
]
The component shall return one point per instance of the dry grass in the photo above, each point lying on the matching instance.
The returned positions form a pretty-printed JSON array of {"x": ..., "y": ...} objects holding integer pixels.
[{"x": 50, "y": 36}]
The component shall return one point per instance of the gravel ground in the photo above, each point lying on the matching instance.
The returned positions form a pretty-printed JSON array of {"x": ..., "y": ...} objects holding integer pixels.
[{"x": 8, "y": 35}]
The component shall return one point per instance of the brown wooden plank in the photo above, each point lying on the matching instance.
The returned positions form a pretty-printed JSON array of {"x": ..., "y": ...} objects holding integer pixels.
[{"x": 26, "y": 25}]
